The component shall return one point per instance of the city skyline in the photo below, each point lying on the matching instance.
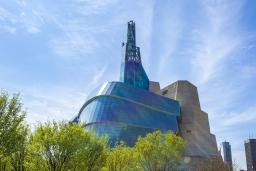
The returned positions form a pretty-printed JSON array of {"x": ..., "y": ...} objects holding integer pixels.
[{"x": 72, "y": 47}]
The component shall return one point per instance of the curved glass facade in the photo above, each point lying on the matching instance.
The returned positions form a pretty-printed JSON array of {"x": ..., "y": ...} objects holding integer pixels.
[{"x": 124, "y": 112}]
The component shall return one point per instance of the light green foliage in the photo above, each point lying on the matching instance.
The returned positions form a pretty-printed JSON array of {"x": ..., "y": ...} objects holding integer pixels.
[
  {"x": 13, "y": 133},
  {"x": 122, "y": 158},
  {"x": 62, "y": 146},
  {"x": 160, "y": 152},
  {"x": 18, "y": 157},
  {"x": 156, "y": 152}
]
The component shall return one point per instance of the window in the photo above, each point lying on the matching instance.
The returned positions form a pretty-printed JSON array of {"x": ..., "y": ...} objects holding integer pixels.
[{"x": 164, "y": 92}]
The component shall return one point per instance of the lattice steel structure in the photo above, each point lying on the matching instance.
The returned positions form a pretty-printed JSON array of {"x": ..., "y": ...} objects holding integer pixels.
[{"x": 132, "y": 71}]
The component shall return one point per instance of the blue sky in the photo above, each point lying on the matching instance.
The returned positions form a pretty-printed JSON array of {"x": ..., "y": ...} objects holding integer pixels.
[{"x": 55, "y": 52}]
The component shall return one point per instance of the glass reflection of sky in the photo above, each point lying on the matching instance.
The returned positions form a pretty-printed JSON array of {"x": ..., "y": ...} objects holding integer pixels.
[{"x": 124, "y": 112}]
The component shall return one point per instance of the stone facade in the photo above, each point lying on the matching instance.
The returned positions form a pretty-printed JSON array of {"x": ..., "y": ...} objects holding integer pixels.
[{"x": 193, "y": 122}]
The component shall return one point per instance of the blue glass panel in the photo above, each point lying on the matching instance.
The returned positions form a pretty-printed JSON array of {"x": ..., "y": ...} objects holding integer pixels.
[
  {"x": 119, "y": 132},
  {"x": 140, "y": 96},
  {"x": 125, "y": 112}
]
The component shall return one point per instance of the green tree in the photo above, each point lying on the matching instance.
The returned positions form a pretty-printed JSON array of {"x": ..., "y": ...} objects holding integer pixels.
[
  {"x": 17, "y": 158},
  {"x": 122, "y": 158},
  {"x": 63, "y": 146},
  {"x": 160, "y": 151},
  {"x": 13, "y": 133}
]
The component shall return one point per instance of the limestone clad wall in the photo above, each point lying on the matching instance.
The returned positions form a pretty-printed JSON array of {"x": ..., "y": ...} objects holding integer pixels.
[{"x": 193, "y": 122}]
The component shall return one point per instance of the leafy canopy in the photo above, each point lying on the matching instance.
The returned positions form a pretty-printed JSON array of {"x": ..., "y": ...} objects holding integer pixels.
[
  {"x": 13, "y": 133},
  {"x": 160, "y": 151},
  {"x": 63, "y": 146},
  {"x": 156, "y": 152}
]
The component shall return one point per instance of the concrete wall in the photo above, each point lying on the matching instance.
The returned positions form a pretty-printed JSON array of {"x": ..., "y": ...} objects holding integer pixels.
[{"x": 194, "y": 123}]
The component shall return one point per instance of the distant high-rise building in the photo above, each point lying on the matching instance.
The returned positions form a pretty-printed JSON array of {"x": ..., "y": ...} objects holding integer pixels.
[
  {"x": 250, "y": 152},
  {"x": 226, "y": 153}
]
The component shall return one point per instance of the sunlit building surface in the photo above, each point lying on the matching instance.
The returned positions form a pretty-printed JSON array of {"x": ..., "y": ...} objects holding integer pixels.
[
  {"x": 135, "y": 106},
  {"x": 193, "y": 123}
]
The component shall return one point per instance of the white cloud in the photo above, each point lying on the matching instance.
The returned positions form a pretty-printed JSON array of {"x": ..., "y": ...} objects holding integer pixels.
[
  {"x": 76, "y": 38},
  {"x": 217, "y": 40},
  {"x": 97, "y": 77},
  {"x": 9, "y": 29},
  {"x": 33, "y": 29},
  {"x": 57, "y": 103},
  {"x": 22, "y": 3},
  {"x": 23, "y": 18},
  {"x": 171, "y": 28},
  {"x": 74, "y": 45},
  {"x": 248, "y": 115},
  {"x": 92, "y": 7},
  {"x": 5, "y": 15}
]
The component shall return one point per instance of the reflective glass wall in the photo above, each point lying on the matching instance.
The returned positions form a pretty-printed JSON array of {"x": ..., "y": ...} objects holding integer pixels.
[{"x": 124, "y": 113}]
